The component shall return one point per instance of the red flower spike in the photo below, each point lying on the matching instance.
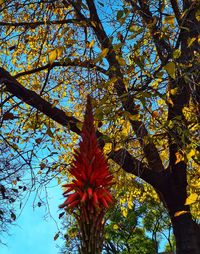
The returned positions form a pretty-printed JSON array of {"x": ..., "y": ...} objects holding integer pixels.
[
  {"x": 83, "y": 199},
  {"x": 90, "y": 188}
]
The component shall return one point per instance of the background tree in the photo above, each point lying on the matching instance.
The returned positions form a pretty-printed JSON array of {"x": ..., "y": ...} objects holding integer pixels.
[
  {"x": 141, "y": 57},
  {"x": 11, "y": 193}
]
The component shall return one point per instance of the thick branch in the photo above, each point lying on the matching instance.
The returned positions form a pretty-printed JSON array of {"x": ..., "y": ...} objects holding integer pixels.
[
  {"x": 121, "y": 157},
  {"x": 133, "y": 166},
  {"x": 128, "y": 103},
  {"x": 34, "y": 100}
]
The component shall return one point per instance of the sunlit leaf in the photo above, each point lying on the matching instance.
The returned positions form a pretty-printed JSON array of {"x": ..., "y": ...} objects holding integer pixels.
[
  {"x": 102, "y": 55},
  {"x": 179, "y": 157},
  {"x": 107, "y": 148},
  {"x": 180, "y": 213},
  {"x": 191, "y": 199},
  {"x": 54, "y": 54},
  {"x": 91, "y": 44},
  {"x": 115, "y": 226},
  {"x": 173, "y": 91},
  {"x": 169, "y": 20},
  {"x": 191, "y": 154},
  {"x": 190, "y": 41},
  {"x": 124, "y": 212}
]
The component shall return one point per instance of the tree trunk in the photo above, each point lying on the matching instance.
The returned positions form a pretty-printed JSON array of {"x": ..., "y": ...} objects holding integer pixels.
[
  {"x": 173, "y": 195},
  {"x": 187, "y": 234}
]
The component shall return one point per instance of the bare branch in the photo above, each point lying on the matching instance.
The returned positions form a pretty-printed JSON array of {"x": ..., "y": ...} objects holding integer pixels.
[{"x": 68, "y": 63}]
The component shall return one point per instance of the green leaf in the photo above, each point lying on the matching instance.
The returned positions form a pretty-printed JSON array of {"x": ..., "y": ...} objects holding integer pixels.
[
  {"x": 120, "y": 14},
  {"x": 176, "y": 53}
]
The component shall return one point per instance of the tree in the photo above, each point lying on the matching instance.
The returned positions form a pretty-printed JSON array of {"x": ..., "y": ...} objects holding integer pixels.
[
  {"x": 141, "y": 57},
  {"x": 11, "y": 171}
]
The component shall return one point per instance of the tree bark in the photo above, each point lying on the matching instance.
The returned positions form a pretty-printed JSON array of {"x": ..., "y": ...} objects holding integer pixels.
[
  {"x": 174, "y": 194},
  {"x": 187, "y": 234}
]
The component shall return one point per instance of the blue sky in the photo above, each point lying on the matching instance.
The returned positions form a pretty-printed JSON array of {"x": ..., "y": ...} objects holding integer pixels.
[{"x": 33, "y": 232}]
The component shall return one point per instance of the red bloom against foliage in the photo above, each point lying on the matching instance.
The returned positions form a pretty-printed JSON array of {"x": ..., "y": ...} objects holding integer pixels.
[{"x": 92, "y": 179}]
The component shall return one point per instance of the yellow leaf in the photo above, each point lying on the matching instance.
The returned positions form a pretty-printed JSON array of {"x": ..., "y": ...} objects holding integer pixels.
[
  {"x": 197, "y": 15},
  {"x": 101, "y": 55},
  {"x": 195, "y": 185},
  {"x": 104, "y": 52},
  {"x": 169, "y": 100},
  {"x": 107, "y": 148},
  {"x": 91, "y": 44},
  {"x": 79, "y": 125},
  {"x": 176, "y": 53},
  {"x": 170, "y": 20},
  {"x": 126, "y": 129},
  {"x": 171, "y": 69},
  {"x": 124, "y": 212},
  {"x": 180, "y": 213},
  {"x": 190, "y": 41},
  {"x": 173, "y": 91},
  {"x": 130, "y": 204},
  {"x": 134, "y": 117},
  {"x": 54, "y": 54},
  {"x": 179, "y": 157},
  {"x": 115, "y": 226},
  {"x": 93, "y": 23},
  {"x": 191, "y": 154},
  {"x": 121, "y": 61},
  {"x": 191, "y": 199}
]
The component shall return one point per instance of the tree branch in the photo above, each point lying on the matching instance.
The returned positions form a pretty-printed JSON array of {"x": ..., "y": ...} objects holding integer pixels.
[
  {"x": 127, "y": 101},
  {"x": 121, "y": 157},
  {"x": 68, "y": 63},
  {"x": 176, "y": 10},
  {"x": 39, "y": 23},
  {"x": 162, "y": 46}
]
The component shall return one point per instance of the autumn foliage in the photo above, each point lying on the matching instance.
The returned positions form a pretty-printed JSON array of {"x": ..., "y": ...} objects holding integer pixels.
[{"x": 88, "y": 195}]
